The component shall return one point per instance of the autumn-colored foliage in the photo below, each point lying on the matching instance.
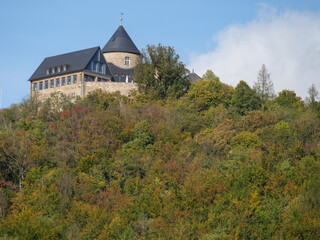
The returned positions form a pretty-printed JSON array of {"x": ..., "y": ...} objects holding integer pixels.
[{"x": 211, "y": 164}]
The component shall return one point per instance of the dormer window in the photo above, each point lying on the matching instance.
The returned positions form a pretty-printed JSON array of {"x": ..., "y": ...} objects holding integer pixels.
[
  {"x": 94, "y": 66},
  {"x": 100, "y": 67},
  {"x": 127, "y": 61},
  {"x": 52, "y": 70},
  {"x": 48, "y": 71},
  {"x": 59, "y": 69},
  {"x": 64, "y": 67}
]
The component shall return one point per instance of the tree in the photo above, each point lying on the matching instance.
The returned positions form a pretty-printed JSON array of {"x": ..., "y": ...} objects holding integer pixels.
[
  {"x": 210, "y": 76},
  {"x": 264, "y": 85},
  {"x": 244, "y": 99},
  {"x": 313, "y": 95},
  {"x": 209, "y": 92},
  {"x": 160, "y": 74},
  {"x": 287, "y": 98},
  {"x": 19, "y": 151}
]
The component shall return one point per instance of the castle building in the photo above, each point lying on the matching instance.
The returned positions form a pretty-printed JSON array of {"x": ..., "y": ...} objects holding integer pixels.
[{"x": 81, "y": 72}]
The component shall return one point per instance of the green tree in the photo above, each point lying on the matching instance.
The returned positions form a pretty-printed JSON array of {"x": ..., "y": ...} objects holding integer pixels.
[
  {"x": 245, "y": 140},
  {"x": 208, "y": 92},
  {"x": 287, "y": 98},
  {"x": 209, "y": 75},
  {"x": 160, "y": 74},
  {"x": 264, "y": 85},
  {"x": 313, "y": 95},
  {"x": 244, "y": 99}
]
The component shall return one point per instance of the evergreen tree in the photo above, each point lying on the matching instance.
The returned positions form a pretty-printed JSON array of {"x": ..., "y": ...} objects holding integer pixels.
[
  {"x": 313, "y": 95},
  {"x": 264, "y": 85}
]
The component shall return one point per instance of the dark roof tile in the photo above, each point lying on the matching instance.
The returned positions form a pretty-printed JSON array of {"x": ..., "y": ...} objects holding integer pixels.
[
  {"x": 120, "y": 42},
  {"x": 76, "y": 61},
  {"x": 117, "y": 70},
  {"x": 193, "y": 77}
]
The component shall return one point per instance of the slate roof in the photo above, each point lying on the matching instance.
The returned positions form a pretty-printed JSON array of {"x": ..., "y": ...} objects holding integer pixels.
[
  {"x": 117, "y": 70},
  {"x": 120, "y": 42},
  {"x": 76, "y": 61},
  {"x": 193, "y": 77}
]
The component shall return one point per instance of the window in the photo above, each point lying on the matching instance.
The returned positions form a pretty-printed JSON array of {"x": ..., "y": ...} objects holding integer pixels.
[
  {"x": 40, "y": 85},
  {"x": 52, "y": 70},
  {"x": 99, "y": 79},
  {"x": 57, "y": 82},
  {"x": 69, "y": 80},
  {"x": 64, "y": 67},
  {"x": 59, "y": 69},
  {"x": 52, "y": 83},
  {"x": 74, "y": 78},
  {"x": 35, "y": 87},
  {"x": 94, "y": 66},
  {"x": 99, "y": 56},
  {"x": 116, "y": 78},
  {"x": 100, "y": 67},
  {"x": 46, "y": 84},
  {"x": 63, "y": 81},
  {"x": 88, "y": 78},
  {"x": 127, "y": 61},
  {"x": 48, "y": 71}
]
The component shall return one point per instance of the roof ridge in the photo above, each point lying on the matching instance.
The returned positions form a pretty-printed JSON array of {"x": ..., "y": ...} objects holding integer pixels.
[{"x": 86, "y": 49}]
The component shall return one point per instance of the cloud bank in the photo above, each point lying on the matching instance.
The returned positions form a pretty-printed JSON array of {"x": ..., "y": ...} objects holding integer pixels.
[{"x": 287, "y": 43}]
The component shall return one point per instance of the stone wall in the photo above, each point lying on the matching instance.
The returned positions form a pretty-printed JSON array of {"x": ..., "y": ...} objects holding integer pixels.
[
  {"x": 124, "y": 88},
  {"x": 73, "y": 89},
  {"x": 80, "y": 88},
  {"x": 118, "y": 59}
]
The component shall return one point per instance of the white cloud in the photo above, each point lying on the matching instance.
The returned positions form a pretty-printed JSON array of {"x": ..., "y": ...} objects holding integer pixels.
[{"x": 287, "y": 43}]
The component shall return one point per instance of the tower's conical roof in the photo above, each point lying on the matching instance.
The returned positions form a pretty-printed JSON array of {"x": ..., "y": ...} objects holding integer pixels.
[{"x": 120, "y": 42}]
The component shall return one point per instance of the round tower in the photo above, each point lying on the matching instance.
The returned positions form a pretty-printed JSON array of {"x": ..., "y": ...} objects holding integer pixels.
[{"x": 121, "y": 51}]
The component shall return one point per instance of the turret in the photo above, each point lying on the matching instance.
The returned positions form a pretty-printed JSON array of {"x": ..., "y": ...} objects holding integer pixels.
[{"x": 121, "y": 51}]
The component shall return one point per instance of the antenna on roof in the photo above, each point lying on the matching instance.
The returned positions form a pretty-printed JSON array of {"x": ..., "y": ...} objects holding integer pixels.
[{"x": 121, "y": 19}]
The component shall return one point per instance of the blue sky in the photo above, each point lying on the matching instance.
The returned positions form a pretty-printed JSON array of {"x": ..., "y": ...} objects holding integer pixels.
[{"x": 233, "y": 38}]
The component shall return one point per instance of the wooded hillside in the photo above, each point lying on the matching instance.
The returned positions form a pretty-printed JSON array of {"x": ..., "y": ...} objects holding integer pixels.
[{"x": 216, "y": 163}]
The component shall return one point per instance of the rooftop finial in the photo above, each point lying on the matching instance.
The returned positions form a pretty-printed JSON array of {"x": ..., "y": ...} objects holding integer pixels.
[{"x": 121, "y": 19}]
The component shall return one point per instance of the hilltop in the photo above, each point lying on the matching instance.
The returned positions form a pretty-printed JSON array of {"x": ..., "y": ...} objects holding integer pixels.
[{"x": 213, "y": 162}]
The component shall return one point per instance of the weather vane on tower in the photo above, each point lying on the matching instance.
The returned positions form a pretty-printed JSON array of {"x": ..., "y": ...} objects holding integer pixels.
[{"x": 121, "y": 19}]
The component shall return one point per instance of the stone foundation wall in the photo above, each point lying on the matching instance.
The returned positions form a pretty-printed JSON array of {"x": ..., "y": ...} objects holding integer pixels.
[
  {"x": 124, "y": 88},
  {"x": 73, "y": 89},
  {"x": 82, "y": 88}
]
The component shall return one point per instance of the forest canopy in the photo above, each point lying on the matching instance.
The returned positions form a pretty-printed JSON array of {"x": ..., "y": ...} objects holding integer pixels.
[{"x": 211, "y": 162}]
